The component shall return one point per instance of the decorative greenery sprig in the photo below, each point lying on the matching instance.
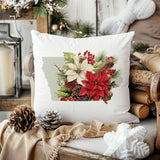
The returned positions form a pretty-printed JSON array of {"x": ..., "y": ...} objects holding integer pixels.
[
  {"x": 44, "y": 7},
  {"x": 78, "y": 28},
  {"x": 139, "y": 47},
  {"x": 87, "y": 77}
]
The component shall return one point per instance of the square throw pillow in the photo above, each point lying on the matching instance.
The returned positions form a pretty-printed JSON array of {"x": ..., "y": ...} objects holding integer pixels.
[{"x": 83, "y": 79}]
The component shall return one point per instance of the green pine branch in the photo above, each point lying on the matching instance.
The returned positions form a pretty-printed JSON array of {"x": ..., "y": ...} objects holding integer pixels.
[
  {"x": 61, "y": 76},
  {"x": 101, "y": 57},
  {"x": 40, "y": 10},
  {"x": 57, "y": 18},
  {"x": 61, "y": 2},
  {"x": 139, "y": 47},
  {"x": 116, "y": 74},
  {"x": 86, "y": 29}
]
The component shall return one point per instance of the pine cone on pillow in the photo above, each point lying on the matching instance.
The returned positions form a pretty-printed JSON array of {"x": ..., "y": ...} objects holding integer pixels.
[
  {"x": 22, "y": 118},
  {"x": 75, "y": 94}
]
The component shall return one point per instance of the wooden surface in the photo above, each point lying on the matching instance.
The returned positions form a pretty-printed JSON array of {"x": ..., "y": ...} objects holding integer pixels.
[
  {"x": 141, "y": 77},
  {"x": 68, "y": 153},
  {"x": 26, "y": 14},
  {"x": 158, "y": 125},
  {"x": 8, "y": 104},
  {"x": 42, "y": 23},
  {"x": 155, "y": 95}
]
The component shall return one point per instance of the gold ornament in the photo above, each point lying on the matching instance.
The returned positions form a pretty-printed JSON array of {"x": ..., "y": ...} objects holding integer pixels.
[{"x": 54, "y": 27}]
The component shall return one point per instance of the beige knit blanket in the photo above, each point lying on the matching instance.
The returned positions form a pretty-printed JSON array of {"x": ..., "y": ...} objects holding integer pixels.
[{"x": 22, "y": 146}]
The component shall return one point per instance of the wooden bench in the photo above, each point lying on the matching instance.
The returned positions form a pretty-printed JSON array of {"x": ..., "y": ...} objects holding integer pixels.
[{"x": 69, "y": 153}]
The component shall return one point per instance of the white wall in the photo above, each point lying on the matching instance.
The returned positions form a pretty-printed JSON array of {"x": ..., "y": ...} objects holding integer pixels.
[
  {"x": 84, "y": 10},
  {"x": 108, "y": 8}
]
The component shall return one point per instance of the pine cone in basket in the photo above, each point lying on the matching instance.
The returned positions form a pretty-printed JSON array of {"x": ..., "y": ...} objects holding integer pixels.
[
  {"x": 22, "y": 118},
  {"x": 75, "y": 94},
  {"x": 49, "y": 120}
]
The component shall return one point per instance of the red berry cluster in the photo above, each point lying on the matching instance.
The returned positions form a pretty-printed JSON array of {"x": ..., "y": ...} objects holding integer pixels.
[
  {"x": 103, "y": 69},
  {"x": 66, "y": 99},
  {"x": 111, "y": 71},
  {"x": 106, "y": 69},
  {"x": 87, "y": 55},
  {"x": 109, "y": 58}
]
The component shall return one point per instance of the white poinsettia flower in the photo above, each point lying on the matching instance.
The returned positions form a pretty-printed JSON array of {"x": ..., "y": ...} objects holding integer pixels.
[{"x": 77, "y": 71}]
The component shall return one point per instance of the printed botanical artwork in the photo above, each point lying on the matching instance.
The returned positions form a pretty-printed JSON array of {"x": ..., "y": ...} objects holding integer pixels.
[{"x": 81, "y": 77}]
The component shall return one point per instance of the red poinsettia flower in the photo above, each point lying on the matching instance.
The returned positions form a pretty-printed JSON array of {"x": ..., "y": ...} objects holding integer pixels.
[{"x": 97, "y": 86}]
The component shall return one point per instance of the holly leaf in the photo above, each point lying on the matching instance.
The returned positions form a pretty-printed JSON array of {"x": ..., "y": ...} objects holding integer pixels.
[
  {"x": 64, "y": 95},
  {"x": 65, "y": 89},
  {"x": 65, "y": 92},
  {"x": 69, "y": 57}
]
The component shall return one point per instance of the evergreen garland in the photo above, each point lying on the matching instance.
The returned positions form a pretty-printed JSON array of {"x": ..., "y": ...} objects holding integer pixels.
[
  {"x": 139, "y": 47},
  {"x": 58, "y": 19},
  {"x": 61, "y": 2},
  {"x": 86, "y": 29},
  {"x": 78, "y": 28},
  {"x": 41, "y": 10}
]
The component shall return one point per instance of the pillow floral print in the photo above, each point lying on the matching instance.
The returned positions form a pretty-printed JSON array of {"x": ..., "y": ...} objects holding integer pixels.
[{"x": 86, "y": 77}]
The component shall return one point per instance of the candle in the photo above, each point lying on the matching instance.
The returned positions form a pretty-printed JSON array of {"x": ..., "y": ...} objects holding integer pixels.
[{"x": 6, "y": 71}]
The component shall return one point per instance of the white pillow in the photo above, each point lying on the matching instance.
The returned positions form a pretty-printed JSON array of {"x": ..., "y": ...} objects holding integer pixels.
[{"x": 49, "y": 50}]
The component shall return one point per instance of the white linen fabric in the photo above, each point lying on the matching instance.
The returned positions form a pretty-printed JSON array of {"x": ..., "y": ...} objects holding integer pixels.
[
  {"x": 135, "y": 10},
  {"x": 51, "y": 46}
]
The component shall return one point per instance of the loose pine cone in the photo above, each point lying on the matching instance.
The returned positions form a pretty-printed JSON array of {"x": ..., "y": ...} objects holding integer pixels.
[
  {"x": 75, "y": 94},
  {"x": 49, "y": 120},
  {"x": 22, "y": 118}
]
